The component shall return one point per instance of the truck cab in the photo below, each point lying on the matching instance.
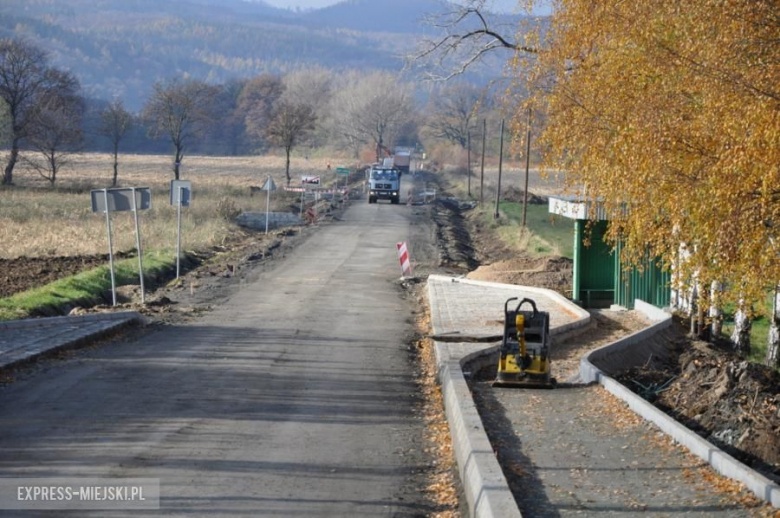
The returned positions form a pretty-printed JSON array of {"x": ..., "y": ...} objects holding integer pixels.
[{"x": 384, "y": 183}]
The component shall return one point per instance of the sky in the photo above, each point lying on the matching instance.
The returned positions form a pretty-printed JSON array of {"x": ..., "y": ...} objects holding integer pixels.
[{"x": 508, "y": 6}]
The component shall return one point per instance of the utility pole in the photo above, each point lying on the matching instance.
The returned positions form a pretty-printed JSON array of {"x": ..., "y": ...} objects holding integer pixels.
[
  {"x": 527, "y": 165},
  {"x": 500, "y": 166},
  {"x": 468, "y": 139},
  {"x": 482, "y": 172}
]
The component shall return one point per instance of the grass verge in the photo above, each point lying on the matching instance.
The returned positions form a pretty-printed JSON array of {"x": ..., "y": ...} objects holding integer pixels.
[
  {"x": 549, "y": 234},
  {"x": 759, "y": 329},
  {"x": 84, "y": 288}
]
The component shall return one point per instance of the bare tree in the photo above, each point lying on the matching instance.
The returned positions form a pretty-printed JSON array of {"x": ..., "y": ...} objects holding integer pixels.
[
  {"x": 256, "y": 103},
  {"x": 55, "y": 132},
  {"x": 374, "y": 108},
  {"x": 24, "y": 77},
  {"x": 115, "y": 121},
  {"x": 466, "y": 32},
  {"x": 341, "y": 123},
  {"x": 315, "y": 87},
  {"x": 180, "y": 110},
  {"x": 5, "y": 124},
  {"x": 454, "y": 111},
  {"x": 289, "y": 126}
]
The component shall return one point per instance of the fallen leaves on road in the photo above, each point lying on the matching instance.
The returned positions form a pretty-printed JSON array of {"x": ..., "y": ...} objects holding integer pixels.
[{"x": 442, "y": 487}]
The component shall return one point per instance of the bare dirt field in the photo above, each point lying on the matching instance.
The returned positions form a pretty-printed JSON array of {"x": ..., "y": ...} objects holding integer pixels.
[{"x": 47, "y": 233}]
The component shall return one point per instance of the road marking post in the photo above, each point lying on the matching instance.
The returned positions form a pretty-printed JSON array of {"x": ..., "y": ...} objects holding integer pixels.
[{"x": 403, "y": 258}]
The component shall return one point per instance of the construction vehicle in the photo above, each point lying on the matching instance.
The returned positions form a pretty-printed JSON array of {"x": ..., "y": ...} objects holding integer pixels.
[
  {"x": 524, "y": 359},
  {"x": 402, "y": 159},
  {"x": 384, "y": 183}
]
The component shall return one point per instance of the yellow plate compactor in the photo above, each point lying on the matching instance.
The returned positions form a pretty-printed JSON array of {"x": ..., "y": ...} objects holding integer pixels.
[{"x": 525, "y": 351}]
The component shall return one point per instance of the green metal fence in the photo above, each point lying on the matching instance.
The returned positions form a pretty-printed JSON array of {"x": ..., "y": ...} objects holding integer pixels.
[{"x": 649, "y": 283}]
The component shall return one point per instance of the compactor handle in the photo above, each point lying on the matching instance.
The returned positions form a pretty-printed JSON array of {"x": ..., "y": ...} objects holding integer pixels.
[
  {"x": 533, "y": 305},
  {"x": 506, "y": 305}
]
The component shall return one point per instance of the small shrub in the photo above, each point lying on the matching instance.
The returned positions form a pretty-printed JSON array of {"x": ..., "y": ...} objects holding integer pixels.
[{"x": 227, "y": 209}]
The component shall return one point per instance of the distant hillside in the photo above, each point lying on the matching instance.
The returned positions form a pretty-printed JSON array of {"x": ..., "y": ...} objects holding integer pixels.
[
  {"x": 404, "y": 16},
  {"x": 121, "y": 47}
]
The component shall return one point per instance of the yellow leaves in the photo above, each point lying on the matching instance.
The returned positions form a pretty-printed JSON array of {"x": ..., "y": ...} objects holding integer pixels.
[{"x": 672, "y": 108}]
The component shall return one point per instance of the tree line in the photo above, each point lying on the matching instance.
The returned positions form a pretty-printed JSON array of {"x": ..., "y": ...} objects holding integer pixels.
[{"x": 48, "y": 120}]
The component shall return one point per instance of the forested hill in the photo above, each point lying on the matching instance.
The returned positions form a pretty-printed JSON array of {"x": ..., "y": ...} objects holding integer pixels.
[{"x": 120, "y": 47}]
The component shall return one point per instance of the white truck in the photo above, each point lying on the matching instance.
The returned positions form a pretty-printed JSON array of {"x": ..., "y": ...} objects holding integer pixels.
[{"x": 384, "y": 183}]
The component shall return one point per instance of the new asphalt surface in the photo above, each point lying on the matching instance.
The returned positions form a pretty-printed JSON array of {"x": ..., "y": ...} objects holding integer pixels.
[{"x": 293, "y": 398}]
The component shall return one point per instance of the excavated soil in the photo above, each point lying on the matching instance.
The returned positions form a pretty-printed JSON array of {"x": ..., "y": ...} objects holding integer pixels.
[
  {"x": 516, "y": 195},
  {"x": 456, "y": 249},
  {"x": 24, "y": 273},
  {"x": 545, "y": 272},
  {"x": 734, "y": 404}
]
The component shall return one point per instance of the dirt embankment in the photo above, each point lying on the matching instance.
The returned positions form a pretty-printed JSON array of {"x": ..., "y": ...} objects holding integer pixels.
[
  {"x": 732, "y": 403},
  {"x": 546, "y": 272},
  {"x": 517, "y": 195}
]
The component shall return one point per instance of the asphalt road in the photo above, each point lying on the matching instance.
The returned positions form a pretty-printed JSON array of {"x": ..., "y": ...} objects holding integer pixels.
[{"x": 293, "y": 398}]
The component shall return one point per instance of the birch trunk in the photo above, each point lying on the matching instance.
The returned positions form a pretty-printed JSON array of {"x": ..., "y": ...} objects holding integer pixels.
[
  {"x": 773, "y": 349},
  {"x": 740, "y": 338},
  {"x": 716, "y": 311}
]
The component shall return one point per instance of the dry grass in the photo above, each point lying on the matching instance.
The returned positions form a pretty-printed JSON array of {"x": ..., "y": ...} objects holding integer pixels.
[
  {"x": 540, "y": 181},
  {"x": 36, "y": 220}
]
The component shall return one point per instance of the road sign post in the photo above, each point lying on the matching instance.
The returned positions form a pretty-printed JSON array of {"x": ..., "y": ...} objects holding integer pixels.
[
  {"x": 122, "y": 200},
  {"x": 138, "y": 247},
  {"x": 110, "y": 248},
  {"x": 343, "y": 171},
  {"x": 181, "y": 193},
  {"x": 268, "y": 186}
]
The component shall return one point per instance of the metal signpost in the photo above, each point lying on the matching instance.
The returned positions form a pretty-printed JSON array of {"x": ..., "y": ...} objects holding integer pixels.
[
  {"x": 343, "y": 171},
  {"x": 123, "y": 200},
  {"x": 268, "y": 186},
  {"x": 181, "y": 194}
]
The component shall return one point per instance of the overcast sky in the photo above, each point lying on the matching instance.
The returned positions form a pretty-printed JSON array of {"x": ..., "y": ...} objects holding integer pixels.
[{"x": 498, "y": 5}]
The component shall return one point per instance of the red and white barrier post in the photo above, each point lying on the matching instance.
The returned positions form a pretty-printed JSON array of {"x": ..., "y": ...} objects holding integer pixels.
[{"x": 403, "y": 257}]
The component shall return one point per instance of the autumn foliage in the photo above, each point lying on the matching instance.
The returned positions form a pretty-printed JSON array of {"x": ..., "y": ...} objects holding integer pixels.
[{"x": 668, "y": 113}]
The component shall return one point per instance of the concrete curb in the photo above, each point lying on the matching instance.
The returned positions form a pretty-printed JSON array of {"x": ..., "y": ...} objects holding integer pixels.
[
  {"x": 118, "y": 322},
  {"x": 30, "y": 323},
  {"x": 486, "y": 489},
  {"x": 720, "y": 461}
]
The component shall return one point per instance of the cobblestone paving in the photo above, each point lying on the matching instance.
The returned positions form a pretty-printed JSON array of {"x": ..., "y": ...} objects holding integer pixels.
[{"x": 475, "y": 310}]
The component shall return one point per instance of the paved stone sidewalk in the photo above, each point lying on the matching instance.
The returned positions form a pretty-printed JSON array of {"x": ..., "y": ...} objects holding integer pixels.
[
  {"x": 461, "y": 307},
  {"x": 23, "y": 340}
]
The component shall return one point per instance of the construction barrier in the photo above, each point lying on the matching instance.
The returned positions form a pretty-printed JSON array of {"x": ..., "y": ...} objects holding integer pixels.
[
  {"x": 321, "y": 191},
  {"x": 403, "y": 257}
]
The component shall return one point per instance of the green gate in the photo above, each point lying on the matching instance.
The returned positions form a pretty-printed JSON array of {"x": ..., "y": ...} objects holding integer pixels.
[{"x": 649, "y": 283}]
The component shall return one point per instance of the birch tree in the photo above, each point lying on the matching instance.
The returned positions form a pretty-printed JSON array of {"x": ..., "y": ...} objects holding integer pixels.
[{"x": 669, "y": 114}]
